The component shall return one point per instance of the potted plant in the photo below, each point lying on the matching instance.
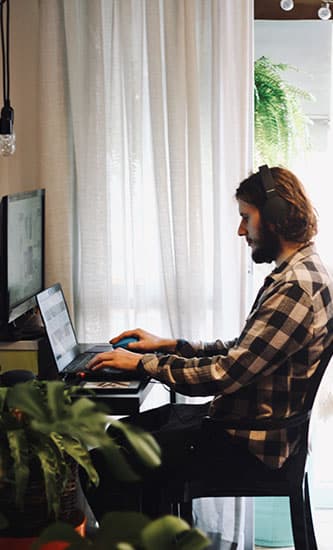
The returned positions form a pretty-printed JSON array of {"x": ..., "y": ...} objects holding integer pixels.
[
  {"x": 46, "y": 432},
  {"x": 127, "y": 531},
  {"x": 281, "y": 126}
]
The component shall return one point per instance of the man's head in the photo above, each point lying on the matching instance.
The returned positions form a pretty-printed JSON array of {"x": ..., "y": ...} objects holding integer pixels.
[{"x": 266, "y": 236}]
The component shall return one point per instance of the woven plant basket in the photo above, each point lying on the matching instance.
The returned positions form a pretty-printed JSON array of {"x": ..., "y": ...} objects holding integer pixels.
[{"x": 34, "y": 517}]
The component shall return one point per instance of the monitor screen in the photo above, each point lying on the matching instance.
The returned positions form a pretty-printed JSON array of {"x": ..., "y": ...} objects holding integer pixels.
[{"x": 22, "y": 258}]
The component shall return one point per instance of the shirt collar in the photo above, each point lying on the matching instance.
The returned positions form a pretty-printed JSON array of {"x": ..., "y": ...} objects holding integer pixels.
[{"x": 306, "y": 250}]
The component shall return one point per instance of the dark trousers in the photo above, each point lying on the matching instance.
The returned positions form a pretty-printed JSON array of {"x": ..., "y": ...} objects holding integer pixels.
[{"x": 188, "y": 454}]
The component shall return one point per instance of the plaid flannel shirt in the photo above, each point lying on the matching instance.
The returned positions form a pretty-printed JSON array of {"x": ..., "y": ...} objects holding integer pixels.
[{"x": 266, "y": 371}]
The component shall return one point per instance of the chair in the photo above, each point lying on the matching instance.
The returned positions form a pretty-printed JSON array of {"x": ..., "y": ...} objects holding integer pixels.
[{"x": 291, "y": 480}]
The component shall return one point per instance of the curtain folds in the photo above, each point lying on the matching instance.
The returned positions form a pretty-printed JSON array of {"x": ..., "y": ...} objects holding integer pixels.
[
  {"x": 158, "y": 112},
  {"x": 147, "y": 111}
]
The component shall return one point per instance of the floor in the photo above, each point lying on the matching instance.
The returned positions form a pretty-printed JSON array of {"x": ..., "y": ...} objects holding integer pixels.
[{"x": 323, "y": 520}]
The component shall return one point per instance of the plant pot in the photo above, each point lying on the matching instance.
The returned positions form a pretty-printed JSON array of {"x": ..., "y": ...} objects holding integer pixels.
[
  {"x": 34, "y": 516},
  {"x": 24, "y": 543},
  {"x": 11, "y": 543}
]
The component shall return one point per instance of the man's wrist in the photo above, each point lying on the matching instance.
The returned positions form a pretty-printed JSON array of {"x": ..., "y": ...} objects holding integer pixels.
[
  {"x": 180, "y": 343},
  {"x": 169, "y": 345}
]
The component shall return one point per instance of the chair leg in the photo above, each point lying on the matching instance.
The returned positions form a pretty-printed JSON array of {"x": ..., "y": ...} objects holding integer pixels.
[
  {"x": 163, "y": 506},
  {"x": 249, "y": 524},
  {"x": 298, "y": 521},
  {"x": 308, "y": 516},
  {"x": 185, "y": 512}
]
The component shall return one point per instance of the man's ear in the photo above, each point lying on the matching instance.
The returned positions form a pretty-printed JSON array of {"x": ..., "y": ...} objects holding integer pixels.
[{"x": 271, "y": 227}]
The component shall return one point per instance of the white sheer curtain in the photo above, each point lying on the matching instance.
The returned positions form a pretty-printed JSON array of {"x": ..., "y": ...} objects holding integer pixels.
[
  {"x": 159, "y": 95},
  {"x": 153, "y": 100}
]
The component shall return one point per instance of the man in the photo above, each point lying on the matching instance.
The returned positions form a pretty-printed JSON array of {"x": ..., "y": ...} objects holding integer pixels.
[{"x": 266, "y": 371}]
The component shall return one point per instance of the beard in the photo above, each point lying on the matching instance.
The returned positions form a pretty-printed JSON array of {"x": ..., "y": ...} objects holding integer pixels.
[{"x": 268, "y": 246}]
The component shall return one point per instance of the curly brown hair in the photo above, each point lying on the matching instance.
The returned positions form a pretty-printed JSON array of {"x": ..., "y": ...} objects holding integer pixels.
[{"x": 300, "y": 225}]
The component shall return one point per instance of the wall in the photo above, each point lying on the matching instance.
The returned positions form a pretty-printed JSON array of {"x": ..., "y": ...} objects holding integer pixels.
[
  {"x": 37, "y": 86},
  {"x": 20, "y": 172}
]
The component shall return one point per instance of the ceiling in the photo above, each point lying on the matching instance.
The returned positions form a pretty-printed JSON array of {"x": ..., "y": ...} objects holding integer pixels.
[{"x": 270, "y": 9}]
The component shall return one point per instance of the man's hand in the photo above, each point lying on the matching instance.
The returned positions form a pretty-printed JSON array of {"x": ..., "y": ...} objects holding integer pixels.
[
  {"x": 146, "y": 342},
  {"x": 119, "y": 358}
]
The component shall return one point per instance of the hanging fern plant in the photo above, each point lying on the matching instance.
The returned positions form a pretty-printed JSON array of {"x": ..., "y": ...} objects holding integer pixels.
[{"x": 281, "y": 126}]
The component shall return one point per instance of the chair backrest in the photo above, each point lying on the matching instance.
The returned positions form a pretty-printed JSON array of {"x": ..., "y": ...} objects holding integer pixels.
[
  {"x": 269, "y": 423},
  {"x": 317, "y": 378}
]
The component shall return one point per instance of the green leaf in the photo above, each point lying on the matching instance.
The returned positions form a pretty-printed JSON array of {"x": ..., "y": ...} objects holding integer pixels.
[
  {"x": 121, "y": 527},
  {"x": 127, "y": 531},
  {"x": 142, "y": 443},
  {"x": 57, "y": 401},
  {"x": 81, "y": 455},
  {"x": 281, "y": 126},
  {"x": 167, "y": 532},
  {"x": 82, "y": 420},
  {"x": 192, "y": 539},
  {"x": 28, "y": 397},
  {"x": 41, "y": 424},
  {"x": 56, "y": 474},
  {"x": 19, "y": 451},
  {"x": 3, "y": 396},
  {"x": 119, "y": 466}
]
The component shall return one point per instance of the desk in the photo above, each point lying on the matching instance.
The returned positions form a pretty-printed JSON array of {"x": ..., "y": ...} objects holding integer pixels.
[
  {"x": 34, "y": 355},
  {"x": 124, "y": 403}
]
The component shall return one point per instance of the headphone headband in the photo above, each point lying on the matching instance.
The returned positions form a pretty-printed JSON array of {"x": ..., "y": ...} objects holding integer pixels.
[{"x": 267, "y": 179}]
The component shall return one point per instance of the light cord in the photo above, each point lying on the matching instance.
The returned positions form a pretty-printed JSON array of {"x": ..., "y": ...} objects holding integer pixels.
[{"x": 5, "y": 52}]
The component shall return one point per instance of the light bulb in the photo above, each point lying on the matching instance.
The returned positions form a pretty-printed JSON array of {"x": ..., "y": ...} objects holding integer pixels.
[
  {"x": 7, "y": 136},
  {"x": 287, "y": 5},
  {"x": 325, "y": 12},
  {"x": 7, "y": 144}
]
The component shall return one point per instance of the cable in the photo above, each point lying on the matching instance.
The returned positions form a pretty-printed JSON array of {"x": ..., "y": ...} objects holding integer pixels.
[
  {"x": 7, "y": 53},
  {"x": 3, "y": 52}
]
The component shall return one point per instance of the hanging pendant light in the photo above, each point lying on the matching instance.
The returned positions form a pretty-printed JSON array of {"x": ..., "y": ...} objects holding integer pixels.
[
  {"x": 287, "y": 5},
  {"x": 7, "y": 135},
  {"x": 324, "y": 12}
]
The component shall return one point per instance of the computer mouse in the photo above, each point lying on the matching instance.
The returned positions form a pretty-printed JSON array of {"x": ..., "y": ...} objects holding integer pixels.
[{"x": 123, "y": 343}]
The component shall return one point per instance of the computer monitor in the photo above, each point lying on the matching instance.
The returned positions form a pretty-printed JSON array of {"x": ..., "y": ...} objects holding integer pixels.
[{"x": 21, "y": 260}]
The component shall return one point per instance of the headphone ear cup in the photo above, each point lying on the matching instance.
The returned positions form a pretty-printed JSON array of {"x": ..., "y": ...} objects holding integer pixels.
[{"x": 275, "y": 210}]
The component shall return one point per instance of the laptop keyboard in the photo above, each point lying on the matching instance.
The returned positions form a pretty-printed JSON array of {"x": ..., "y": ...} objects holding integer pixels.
[{"x": 79, "y": 364}]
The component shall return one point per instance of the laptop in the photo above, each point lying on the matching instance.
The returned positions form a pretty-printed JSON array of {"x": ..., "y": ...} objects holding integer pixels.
[{"x": 70, "y": 357}]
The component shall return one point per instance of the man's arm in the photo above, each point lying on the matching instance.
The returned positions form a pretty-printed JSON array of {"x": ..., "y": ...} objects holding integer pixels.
[
  {"x": 281, "y": 327},
  {"x": 188, "y": 349}
]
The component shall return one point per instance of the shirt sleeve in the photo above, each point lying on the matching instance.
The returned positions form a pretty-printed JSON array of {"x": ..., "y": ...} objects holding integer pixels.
[
  {"x": 280, "y": 326},
  {"x": 202, "y": 349}
]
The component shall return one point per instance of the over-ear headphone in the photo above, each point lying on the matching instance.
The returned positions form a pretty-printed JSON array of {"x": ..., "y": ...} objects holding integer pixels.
[{"x": 275, "y": 209}]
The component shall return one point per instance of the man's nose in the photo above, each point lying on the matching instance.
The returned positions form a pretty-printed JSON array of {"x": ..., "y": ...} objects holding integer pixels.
[{"x": 241, "y": 229}]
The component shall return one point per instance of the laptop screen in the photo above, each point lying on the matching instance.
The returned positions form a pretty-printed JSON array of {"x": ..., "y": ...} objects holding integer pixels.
[{"x": 58, "y": 325}]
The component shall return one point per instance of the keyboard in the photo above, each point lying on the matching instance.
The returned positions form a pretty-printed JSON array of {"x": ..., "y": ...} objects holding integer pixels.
[{"x": 79, "y": 363}]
